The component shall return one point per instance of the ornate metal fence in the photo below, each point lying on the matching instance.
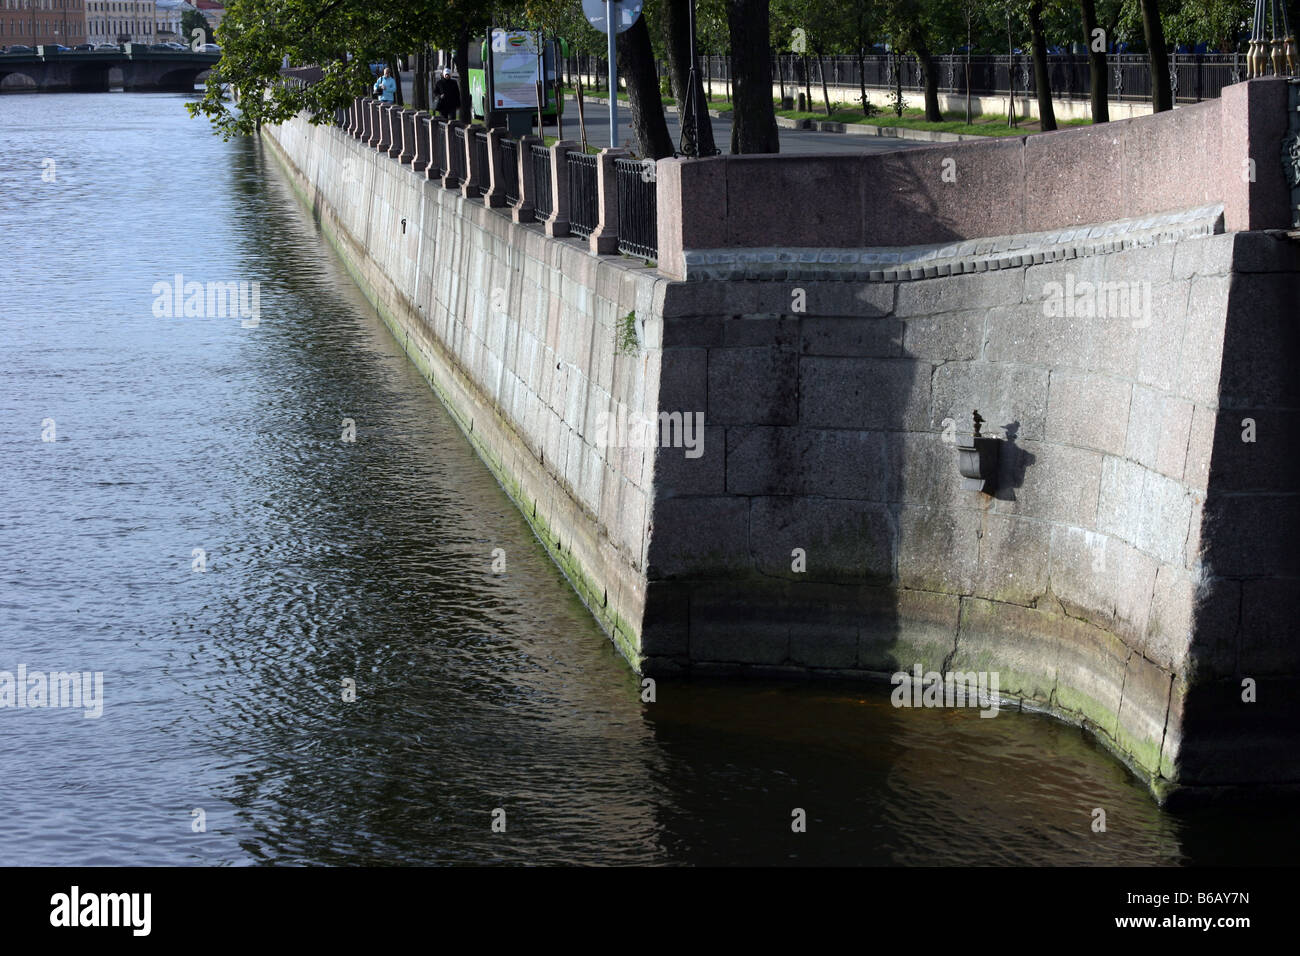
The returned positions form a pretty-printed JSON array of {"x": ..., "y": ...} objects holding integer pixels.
[
  {"x": 638, "y": 209},
  {"x": 510, "y": 170},
  {"x": 584, "y": 203},
  {"x": 544, "y": 202},
  {"x": 456, "y": 161}
]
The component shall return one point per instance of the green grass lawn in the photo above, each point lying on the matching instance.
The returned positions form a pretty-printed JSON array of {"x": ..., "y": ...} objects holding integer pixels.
[{"x": 954, "y": 121}]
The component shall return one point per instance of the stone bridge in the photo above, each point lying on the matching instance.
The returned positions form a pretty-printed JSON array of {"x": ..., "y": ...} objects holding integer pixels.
[{"x": 143, "y": 70}]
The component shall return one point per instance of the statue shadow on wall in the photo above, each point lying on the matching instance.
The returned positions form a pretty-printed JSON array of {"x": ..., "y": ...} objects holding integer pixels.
[{"x": 1012, "y": 463}]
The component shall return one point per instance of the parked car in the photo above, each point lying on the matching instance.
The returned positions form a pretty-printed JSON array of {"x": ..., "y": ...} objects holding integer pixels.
[
  {"x": 171, "y": 45},
  {"x": 19, "y": 48},
  {"x": 109, "y": 47},
  {"x": 209, "y": 48},
  {"x": 83, "y": 47},
  {"x": 57, "y": 48}
]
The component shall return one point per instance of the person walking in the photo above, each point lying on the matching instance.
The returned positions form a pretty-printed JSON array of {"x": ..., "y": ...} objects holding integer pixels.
[
  {"x": 446, "y": 95},
  {"x": 386, "y": 86}
]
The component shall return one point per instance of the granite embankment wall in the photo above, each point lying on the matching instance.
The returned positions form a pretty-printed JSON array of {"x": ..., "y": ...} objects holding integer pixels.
[{"x": 1135, "y": 560}]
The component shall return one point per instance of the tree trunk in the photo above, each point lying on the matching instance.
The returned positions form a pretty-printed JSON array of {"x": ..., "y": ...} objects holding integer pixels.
[
  {"x": 807, "y": 83},
  {"x": 421, "y": 89},
  {"x": 461, "y": 58},
  {"x": 930, "y": 78},
  {"x": 636, "y": 63},
  {"x": 1042, "y": 81},
  {"x": 1162, "y": 96},
  {"x": 862, "y": 78},
  {"x": 1097, "y": 90},
  {"x": 821, "y": 72},
  {"x": 753, "y": 123},
  {"x": 677, "y": 44}
]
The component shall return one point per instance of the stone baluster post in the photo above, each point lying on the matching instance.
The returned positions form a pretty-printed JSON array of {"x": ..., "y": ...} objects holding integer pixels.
[
  {"x": 475, "y": 178},
  {"x": 436, "y": 135},
  {"x": 449, "y": 181},
  {"x": 407, "y": 151},
  {"x": 376, "y": 125},
  {"x": 557, "y": 225},
  {"x": 525, "y": 211},
  {"x": 604, "y": 238},
  {"x": 495, "y": 192},
  {"x": 420, "y": 128},
  {"x": 395, "y": 130}
]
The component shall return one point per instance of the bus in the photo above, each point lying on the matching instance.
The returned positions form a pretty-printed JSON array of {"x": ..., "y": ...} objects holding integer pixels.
[{"x": 553, "y": 50}]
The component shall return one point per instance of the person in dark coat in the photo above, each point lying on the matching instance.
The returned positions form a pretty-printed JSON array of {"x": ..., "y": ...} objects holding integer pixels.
[{"x": 446, "y": 94}]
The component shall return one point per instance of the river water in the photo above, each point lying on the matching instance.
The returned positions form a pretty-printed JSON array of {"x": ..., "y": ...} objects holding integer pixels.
[{"x": 225, "y": 738}]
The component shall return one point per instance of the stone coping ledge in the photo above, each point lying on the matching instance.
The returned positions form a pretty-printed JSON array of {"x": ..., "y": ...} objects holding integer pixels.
[{"x": 903, "y": 263}]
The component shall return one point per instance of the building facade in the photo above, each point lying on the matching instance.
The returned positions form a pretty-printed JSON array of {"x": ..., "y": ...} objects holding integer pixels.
[
  {"x": 33, "y": 22},
  {"x": 121, "y": 21},
  {"x": 167, "y": 22}
]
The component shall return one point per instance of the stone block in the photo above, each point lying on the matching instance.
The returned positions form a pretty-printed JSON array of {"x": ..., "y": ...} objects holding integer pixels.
[
  {"x": 841, "y": 540},
  {"x": 1049, "y": 482},
  {"x": 1202, "y": 349},
  {"x": 1252, "y": 535},
  {"x": 1088, "y": 410},
  {"x": 951, "y": 336},
  {"x": 1165, "y": 518},
  {"x": 1261, "y": 346},
  {"x": 1083, "y": 570},
  {"x": 683, "y": 381},
  {"x": 938, "y": 549},
  {"x": 905, "y": 628},
  {"x": 1010, "y": 398},
  {"x": 1159, "y": 427},
  {"x": 699, "y": 537},
  {"x": 878, "y": 394},
  {"x": 882, "y": 337},
  {"x": 677, "y": 474},
  {"x": 1270, "y": 628},
  {"x": 954, "y": 293},
  {"x": 1013, "y": 559},
  {"x": 1119, "y": 505},
  {"x": 753, "y": 386},
  {"x": 1271, "y": 462},
  {"x": 760, "y": 332},
  {"x": 823, "y": 646},
  {"x": 766, "y": 460},
  {"x": 1205, "y": 256}
]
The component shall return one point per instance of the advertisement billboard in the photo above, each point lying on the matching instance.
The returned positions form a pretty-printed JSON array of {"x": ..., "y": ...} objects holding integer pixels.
[{"x": 514, "y": 70}]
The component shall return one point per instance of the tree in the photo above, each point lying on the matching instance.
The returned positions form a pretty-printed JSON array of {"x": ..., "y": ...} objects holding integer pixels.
[
  {"x": 1095, "y": 38},
  {"x": 753, "y": 122},
  {"x": 912, "y": 23},
  {"x": 342, "y": 37},
  {"x": 192, "y": 20},
  {"x": 637, "y": 64},
  {"x": 1042, "y": 80},
  {"x": 1162, "y": 97}
]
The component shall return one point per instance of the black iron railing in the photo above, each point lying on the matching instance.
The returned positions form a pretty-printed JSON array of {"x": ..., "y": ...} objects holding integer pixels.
[
  {"x": 509, "y": 170},
  {"x": 1194, "y": 76},
  {"x": 456, "y": 161},
  {"x": 584, "y": 201},
  {"x": 439, "y": 158},
  {"x": 544, "y": 202},
  {"x": 480, "y": 146},
  {"x": 638, "y": 210}
]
